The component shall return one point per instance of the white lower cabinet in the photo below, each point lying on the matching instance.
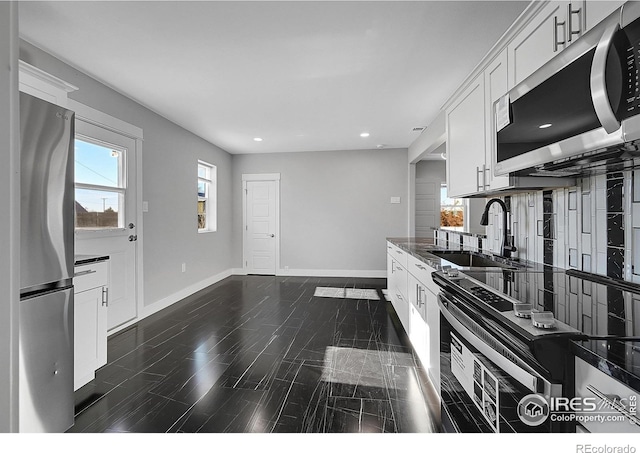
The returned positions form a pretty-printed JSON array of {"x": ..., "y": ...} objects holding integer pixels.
[
  {"x": 411, "y": 291},
  {"x": 91, "y": 292},
  {"x": 397, "y": 285},
  {"x": 418, "y": 328}
]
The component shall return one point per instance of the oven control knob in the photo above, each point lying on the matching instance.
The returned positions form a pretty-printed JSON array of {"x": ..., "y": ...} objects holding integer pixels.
[
  {"x": 543, "y": 320},
  {"x": 522, "y": 310}
]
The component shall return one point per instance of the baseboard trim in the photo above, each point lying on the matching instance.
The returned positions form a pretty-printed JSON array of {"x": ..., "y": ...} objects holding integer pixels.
[
  {"x": 331, "y": 273},
  {"x": 185, "y": 292}
]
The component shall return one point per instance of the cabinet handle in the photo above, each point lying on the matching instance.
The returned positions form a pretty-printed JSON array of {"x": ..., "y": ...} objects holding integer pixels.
[
  {"x": 399, "y": 251},
  {"x": 105, "y": 296},
  {"x": 399, "y": 296},
  {"x": 486, "y": 169},
  {"x": 420, "y": 267},
  {"x": 90, "y": 271},
  {"x": 570, "y": 13},
  {"x": 613, "y": 401},
  {"x": 556, "y": 24},
  {"x": 478, "y": 179}
]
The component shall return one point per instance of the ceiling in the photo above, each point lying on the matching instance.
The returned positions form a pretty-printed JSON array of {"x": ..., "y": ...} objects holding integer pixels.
[{"x": 301, "y": 75}]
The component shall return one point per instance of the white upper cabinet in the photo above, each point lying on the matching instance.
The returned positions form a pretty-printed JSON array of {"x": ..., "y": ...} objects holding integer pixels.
[
  {"x": 557, "y": 25},
  {"x": 544, "y": 37},
  {"x": 466, "y": 141},
  {"x": 44, "y": 86},
  {"x": 470, "y": 136},
  {"x": 596, "y": 11},
  {"x": 537, "y": 36},
  {"x": 496, "y": 79}
]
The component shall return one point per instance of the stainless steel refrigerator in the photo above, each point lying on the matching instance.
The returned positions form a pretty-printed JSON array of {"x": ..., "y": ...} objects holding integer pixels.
[{"x": 46, "y": 401}]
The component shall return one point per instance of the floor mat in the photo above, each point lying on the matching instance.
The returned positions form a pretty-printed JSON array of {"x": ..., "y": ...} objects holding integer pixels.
[{"x": 347, "y": 293}]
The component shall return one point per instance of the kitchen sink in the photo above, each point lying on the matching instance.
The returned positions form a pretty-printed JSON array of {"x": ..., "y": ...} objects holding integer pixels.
[{"x": 471, "y": 259}]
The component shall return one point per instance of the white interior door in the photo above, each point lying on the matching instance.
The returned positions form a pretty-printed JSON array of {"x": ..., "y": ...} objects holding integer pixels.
[
  {"x": 261, "y": 226},
  {"x": 106, "y": 212}
]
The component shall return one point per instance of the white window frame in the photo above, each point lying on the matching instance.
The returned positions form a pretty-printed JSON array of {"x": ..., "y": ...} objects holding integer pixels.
[
  {"x": 210, "y": 197},
  {"x": 462, "y": 207},
  {"x": 120, "y": 189}
]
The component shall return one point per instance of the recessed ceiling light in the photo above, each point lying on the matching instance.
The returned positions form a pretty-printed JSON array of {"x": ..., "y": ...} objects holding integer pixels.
[
  {"x": 364, "y": 134},
  {"x": 257, "y": 139},
  {"x": 544, "y": 126}
]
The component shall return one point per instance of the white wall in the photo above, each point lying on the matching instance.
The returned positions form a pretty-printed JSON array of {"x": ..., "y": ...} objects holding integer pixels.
[
  {"x": 10, "y": 220},
  {"x": 169, "y": 159},
  {"x": 335, "y": 209},
  {"x": 430, "y": 175},
  {"x": 432, "y": 170}
]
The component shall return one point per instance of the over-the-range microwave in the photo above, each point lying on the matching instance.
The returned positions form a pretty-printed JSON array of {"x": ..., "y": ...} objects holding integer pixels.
[{"x": 580, "y": 112}]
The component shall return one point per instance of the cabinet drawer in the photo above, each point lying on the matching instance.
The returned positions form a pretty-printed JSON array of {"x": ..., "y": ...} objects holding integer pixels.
[
  {"x": 92, "y": 275},
  {"x": 422, "y": 272},
  {"x": 400, "y": 280},
  {"x": 397, "y": 254}
]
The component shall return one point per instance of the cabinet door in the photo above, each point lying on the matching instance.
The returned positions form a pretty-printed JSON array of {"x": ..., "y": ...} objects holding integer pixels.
[
  {"x": 538, "y": 42},
  {"x": 466, "y": 141},
  {"x": 85, "y": 321},
  {"x": 496, "y": 85},
  {"x": 596, "y": 11},
  {"x": 101, "y": 341},
  {"x": 418, "y": 335},
  {"x": 400, "y": 295}
]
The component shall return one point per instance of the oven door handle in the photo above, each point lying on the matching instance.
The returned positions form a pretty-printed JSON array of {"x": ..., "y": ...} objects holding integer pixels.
[{"x": 519, "y": 371}]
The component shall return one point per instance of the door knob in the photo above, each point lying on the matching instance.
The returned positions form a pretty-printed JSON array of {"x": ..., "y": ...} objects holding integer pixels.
[
  {"x": 133, "y": 237},
  {"x": 131, "y": 226},
  {"x": 273, "y": 235}
]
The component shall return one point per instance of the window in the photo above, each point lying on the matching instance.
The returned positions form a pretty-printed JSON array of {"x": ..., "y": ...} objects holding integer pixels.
[
  {"x": 451, "y": 211},
  {"x": 207, "y": 220},
  {"x": 99, "y": 185}
]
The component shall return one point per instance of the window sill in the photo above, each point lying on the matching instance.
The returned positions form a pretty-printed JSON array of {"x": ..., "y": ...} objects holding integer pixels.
[{"x": 206, "y": 231}]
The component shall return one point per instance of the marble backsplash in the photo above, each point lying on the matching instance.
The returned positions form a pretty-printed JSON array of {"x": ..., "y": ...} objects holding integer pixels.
[{"x": 593, "y": 227}]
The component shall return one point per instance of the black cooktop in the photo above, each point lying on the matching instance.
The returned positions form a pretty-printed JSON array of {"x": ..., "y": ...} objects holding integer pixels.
[{"x": 578, "y": 304}]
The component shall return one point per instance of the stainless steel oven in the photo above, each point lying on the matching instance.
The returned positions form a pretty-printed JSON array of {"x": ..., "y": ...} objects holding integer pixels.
[
  {"x": 510, "y": 344},
  {"x": 489, "y": 380}
]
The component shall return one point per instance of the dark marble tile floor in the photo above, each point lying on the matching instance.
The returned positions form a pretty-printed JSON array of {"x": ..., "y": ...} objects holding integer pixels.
[{"x": 261, "y": 354}]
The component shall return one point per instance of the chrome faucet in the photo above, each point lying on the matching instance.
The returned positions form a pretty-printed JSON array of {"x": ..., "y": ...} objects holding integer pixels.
[{"x": 506, "y": 248}]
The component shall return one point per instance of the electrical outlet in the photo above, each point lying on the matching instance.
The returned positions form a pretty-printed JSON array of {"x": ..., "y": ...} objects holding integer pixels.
[{"x": 184, "y": 267}]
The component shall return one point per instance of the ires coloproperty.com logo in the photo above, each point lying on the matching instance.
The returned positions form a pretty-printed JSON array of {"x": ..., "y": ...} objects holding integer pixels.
[{"x": 535, "y": 409}]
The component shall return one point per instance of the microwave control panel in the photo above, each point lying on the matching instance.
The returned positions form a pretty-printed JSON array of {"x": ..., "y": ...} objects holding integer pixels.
[{"x": 625, "y": 49}]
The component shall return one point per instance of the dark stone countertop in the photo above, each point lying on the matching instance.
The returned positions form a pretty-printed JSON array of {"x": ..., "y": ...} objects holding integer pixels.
[
  {"x": 619, "y": 359},
  {"x": 421, "y": 249},
  {"x": 88, "y": 259}
]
